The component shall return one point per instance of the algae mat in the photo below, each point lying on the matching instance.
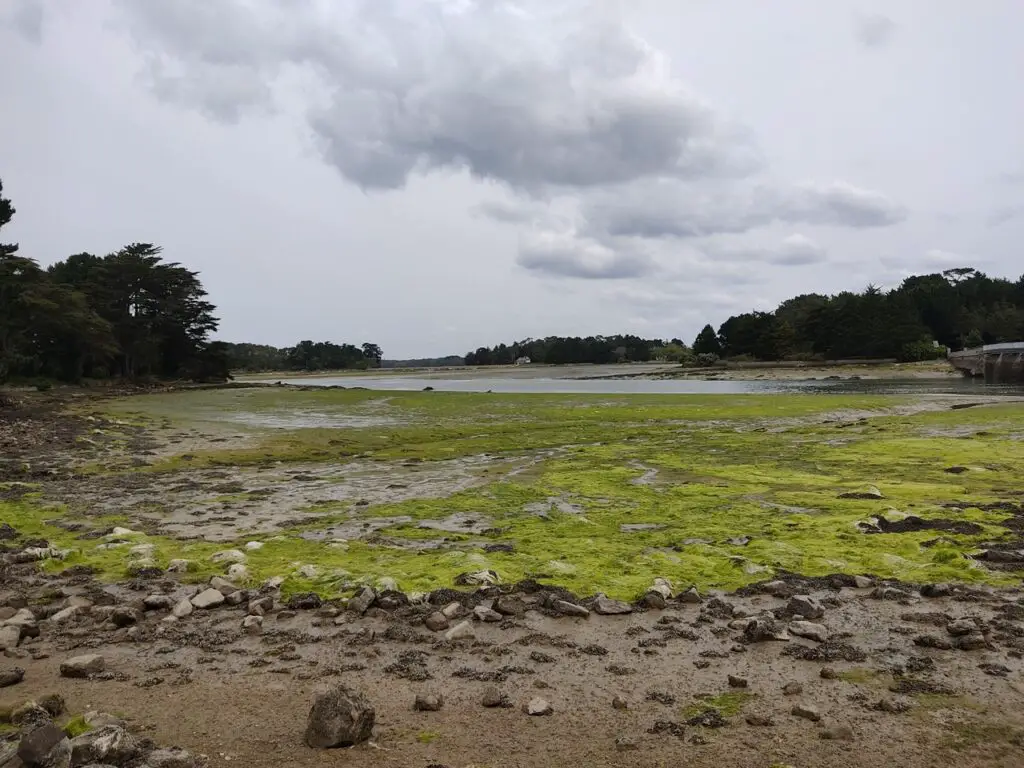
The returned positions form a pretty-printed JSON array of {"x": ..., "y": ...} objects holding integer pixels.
[{"x": 332, "y": 488}]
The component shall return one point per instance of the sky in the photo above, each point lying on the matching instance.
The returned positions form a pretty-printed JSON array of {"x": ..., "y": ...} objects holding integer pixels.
[{"x": 438, "y": 175}]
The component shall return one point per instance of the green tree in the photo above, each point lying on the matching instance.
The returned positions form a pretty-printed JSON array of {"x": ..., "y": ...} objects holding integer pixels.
[{"x": 707, "y": 342}]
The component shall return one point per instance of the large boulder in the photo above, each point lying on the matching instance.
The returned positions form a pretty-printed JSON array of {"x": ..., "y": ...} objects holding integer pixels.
[
  {"x": 83, "y": 666},
  {"x": 605, "y": 606},
  {"x": 209, "y": 598},
  {"x": 172, "y": 758},
  {"x": 45, "y": 747},
  {"x": 109, "y": 744},
  {"x": 339, "y": 717}
]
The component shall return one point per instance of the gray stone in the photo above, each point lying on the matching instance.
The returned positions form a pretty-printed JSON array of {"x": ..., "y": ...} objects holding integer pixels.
[
  {"x": 961, "y": 627},
  {"x": 690, "y": 597},
  {"x": 893, "y": 706},
  {"x": 808, "y": 629},
  {"x": 208, "y": 598},
  {"x": 182, "y": 608},
  {"x": 157, "y": 602},
  {"x": 436, "y": 622},
  {"x": 868, "y": 493},
  {"x": 178, "y": 566},
  {"x": 793, "y": 689},
  {"x": 538, "y": 707},
  {"x": 605, "y": 606},
  {"x": 619, "y": 703},
  {"x": 222, "y": 585},
  {"x": 235, "y": 598},
  {"x": 828, "y": 673},
  {"x": 9, "y": 637},
  {"x": 625, "y": 744},
  {"x": 777, "y": 588},
  {"x": 228, "y": 556},
  {"x": 361, "y": 603},
  {"x": 655, "y": 601},
  {"x": 972, "y": 642},
  {"x": 863, "y": 582},
  {"x": 453, "y": 610},
  {"x": 483, "y": 613},
  {"x": 83, "y": 666},
  {"x": 109, "y": 744},
  {"x": 807, "y": 712},
  {"x": 66, "y": 614},
  {"x": 566, "y": 608},
  {"x": 805, "y": 606},
  {"x": 261, "y": 606},
  {"x": 493, "y": 698},
  {"x": 45, "y": 747},
  {"x": 461, "y": 631},
  {"x": 427, "y": 702},
  {"x": 253, "y": 625},
  {"x": 124, "y": 616},
  {"x": 339, "y": 717},
  {"x": 760, "y": 721},
  {"x": 763, "y": 629},
  {"x": 12, "y": 676},
  {"x": 937, "y": 590},
  {"x": 737, "y": 682},
  {"x": 510, "y": 605}
]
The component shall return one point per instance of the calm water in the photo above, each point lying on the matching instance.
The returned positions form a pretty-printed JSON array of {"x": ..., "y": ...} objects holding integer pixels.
[{"x": 953, "y": 386}]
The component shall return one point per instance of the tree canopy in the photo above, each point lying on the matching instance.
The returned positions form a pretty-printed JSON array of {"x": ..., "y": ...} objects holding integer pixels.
[
  {"x": 304, "y": 356},
  {"x": 128, "y": 314},
  {"x": 557, "y": 350}
]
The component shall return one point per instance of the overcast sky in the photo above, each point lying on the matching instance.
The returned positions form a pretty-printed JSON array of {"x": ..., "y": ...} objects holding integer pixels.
[{"x": 435, "y": 175}]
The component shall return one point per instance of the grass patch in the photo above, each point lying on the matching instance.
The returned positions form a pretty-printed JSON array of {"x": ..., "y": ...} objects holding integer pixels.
[
  {"x": 860, "y": 675},
  {"x": 427, "y": 737},
  {"x": 76, "y": 726},
  {"x": 729, "y": 704},
  {"x": 968, "y": 735}
]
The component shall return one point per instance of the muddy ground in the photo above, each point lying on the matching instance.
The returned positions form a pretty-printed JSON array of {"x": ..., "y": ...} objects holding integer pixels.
[{"x": 910, "y": 675}]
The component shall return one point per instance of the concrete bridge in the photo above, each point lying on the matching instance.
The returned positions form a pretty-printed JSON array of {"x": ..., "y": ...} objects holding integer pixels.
[{"x": 997, "y": 363}]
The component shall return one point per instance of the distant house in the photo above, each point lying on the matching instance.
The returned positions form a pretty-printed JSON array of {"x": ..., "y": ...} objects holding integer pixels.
[{"x": 524, "y": 360}]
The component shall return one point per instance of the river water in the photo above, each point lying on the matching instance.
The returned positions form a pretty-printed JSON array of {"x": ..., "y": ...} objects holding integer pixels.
[{"x": 519, "y": 384}]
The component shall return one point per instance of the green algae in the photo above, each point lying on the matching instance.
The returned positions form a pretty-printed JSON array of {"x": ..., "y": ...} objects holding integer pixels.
[
  {"x": 698, "y": 471},
  {"x": 728, "y": 704}
]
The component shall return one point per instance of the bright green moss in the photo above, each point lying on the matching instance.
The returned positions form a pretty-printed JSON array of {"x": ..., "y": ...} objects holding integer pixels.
[{"x": 728, "y": 704}]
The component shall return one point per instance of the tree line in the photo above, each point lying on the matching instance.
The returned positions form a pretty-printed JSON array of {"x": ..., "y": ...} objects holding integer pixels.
[
  {"x": 304, "y": 356},
  {"x": 126, "y": 314},
  {"x": 560, "y": 350},
  {"x": 919, "y": 320}
]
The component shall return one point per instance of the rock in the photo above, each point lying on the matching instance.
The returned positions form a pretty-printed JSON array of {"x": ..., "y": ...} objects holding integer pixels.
[
  {"x": 893, "y": 706},
  {"x": 228, "y": 556},
  {"x": 66, "y": 614},
  {"x": 222, "y": 585},
  {"x": 777, "y": 588},
  {"x": 837, "y": 733},
  {"x": 208, "y": 598},
  {"x": 260, "y": 606},
  {"x": 972, "y": 642},
  {"x": 53, "y": 703},
  {"x": 961, "y": 627},
  {"x": 809, "y": 630},
  {"x": 807, "y": 712},
  {"x": 619, "y": 703},
  {"x": 362, "y": 602},
  {"x": 171, "y": 758},
  {"x": 252, "y": 625},
  {"x": 45, "y": 747},
  {"x": 806, "y": 606},
  {"x": 251, "y": 545},
  {"x": 936, "y": 590},
  {"x": 436, "y": 622},
  {"x": 29, "y": 714},
  {"x": 737, "y": 682},
  {"x": 625, "y": 744},
  {"x": 12, "y": 676},
  {"x": 763, "y": 629},
  {"x": 478, "y": 579},
  {"x": 96, "y": 719},
  {"x": 932, "y": 641},
  {"x": 9, "y": 637},
  {"x": 182, "y": 608},
  {"x": 339, "y": 717},
  {"x": 828, "y": 673},
  {"x": 510, "y": 605},
  {"x": 566, "y": 608},
  {"x": 654, "y": 601},
  {"x": 863, "y": 582},
  {"x": 235, "y": 598},
  {"x": 690, "y": 597},
  {"x": 605, "y": 606},
  {"x": 124, "y": 616},
  {"x": 461, "y": 631},
  {"x": 869, "y": 492},
  {"x": 494, "y": 698},
  {"x": 760, "y": 721},
  {"x": 238, "y": 572},
  {"x": 793, "y": 689},
  {"x": 453, "y": 610},
  {"x": 109, "y": 744},
  {"x": 427, "y": 702},
  {"x": 890, "y": 593},
  {"x": 538, "y": 707},
  {"x": 157, "y": 602},
  {"x": 83, "y": 666},
  {"x": 483, "y": 613}
]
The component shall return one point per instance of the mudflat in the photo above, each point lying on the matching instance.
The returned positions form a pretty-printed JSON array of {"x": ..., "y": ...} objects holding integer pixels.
[{"x": 788, "y": 579}]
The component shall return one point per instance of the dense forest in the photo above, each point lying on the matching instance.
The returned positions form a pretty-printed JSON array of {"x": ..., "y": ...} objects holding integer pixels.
[
  {"x": 558, "y": 350},
  {"x": 127, "y": 314},
  {"x": 918, "y": 320},
  {"x": 304, "y": 356}
]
